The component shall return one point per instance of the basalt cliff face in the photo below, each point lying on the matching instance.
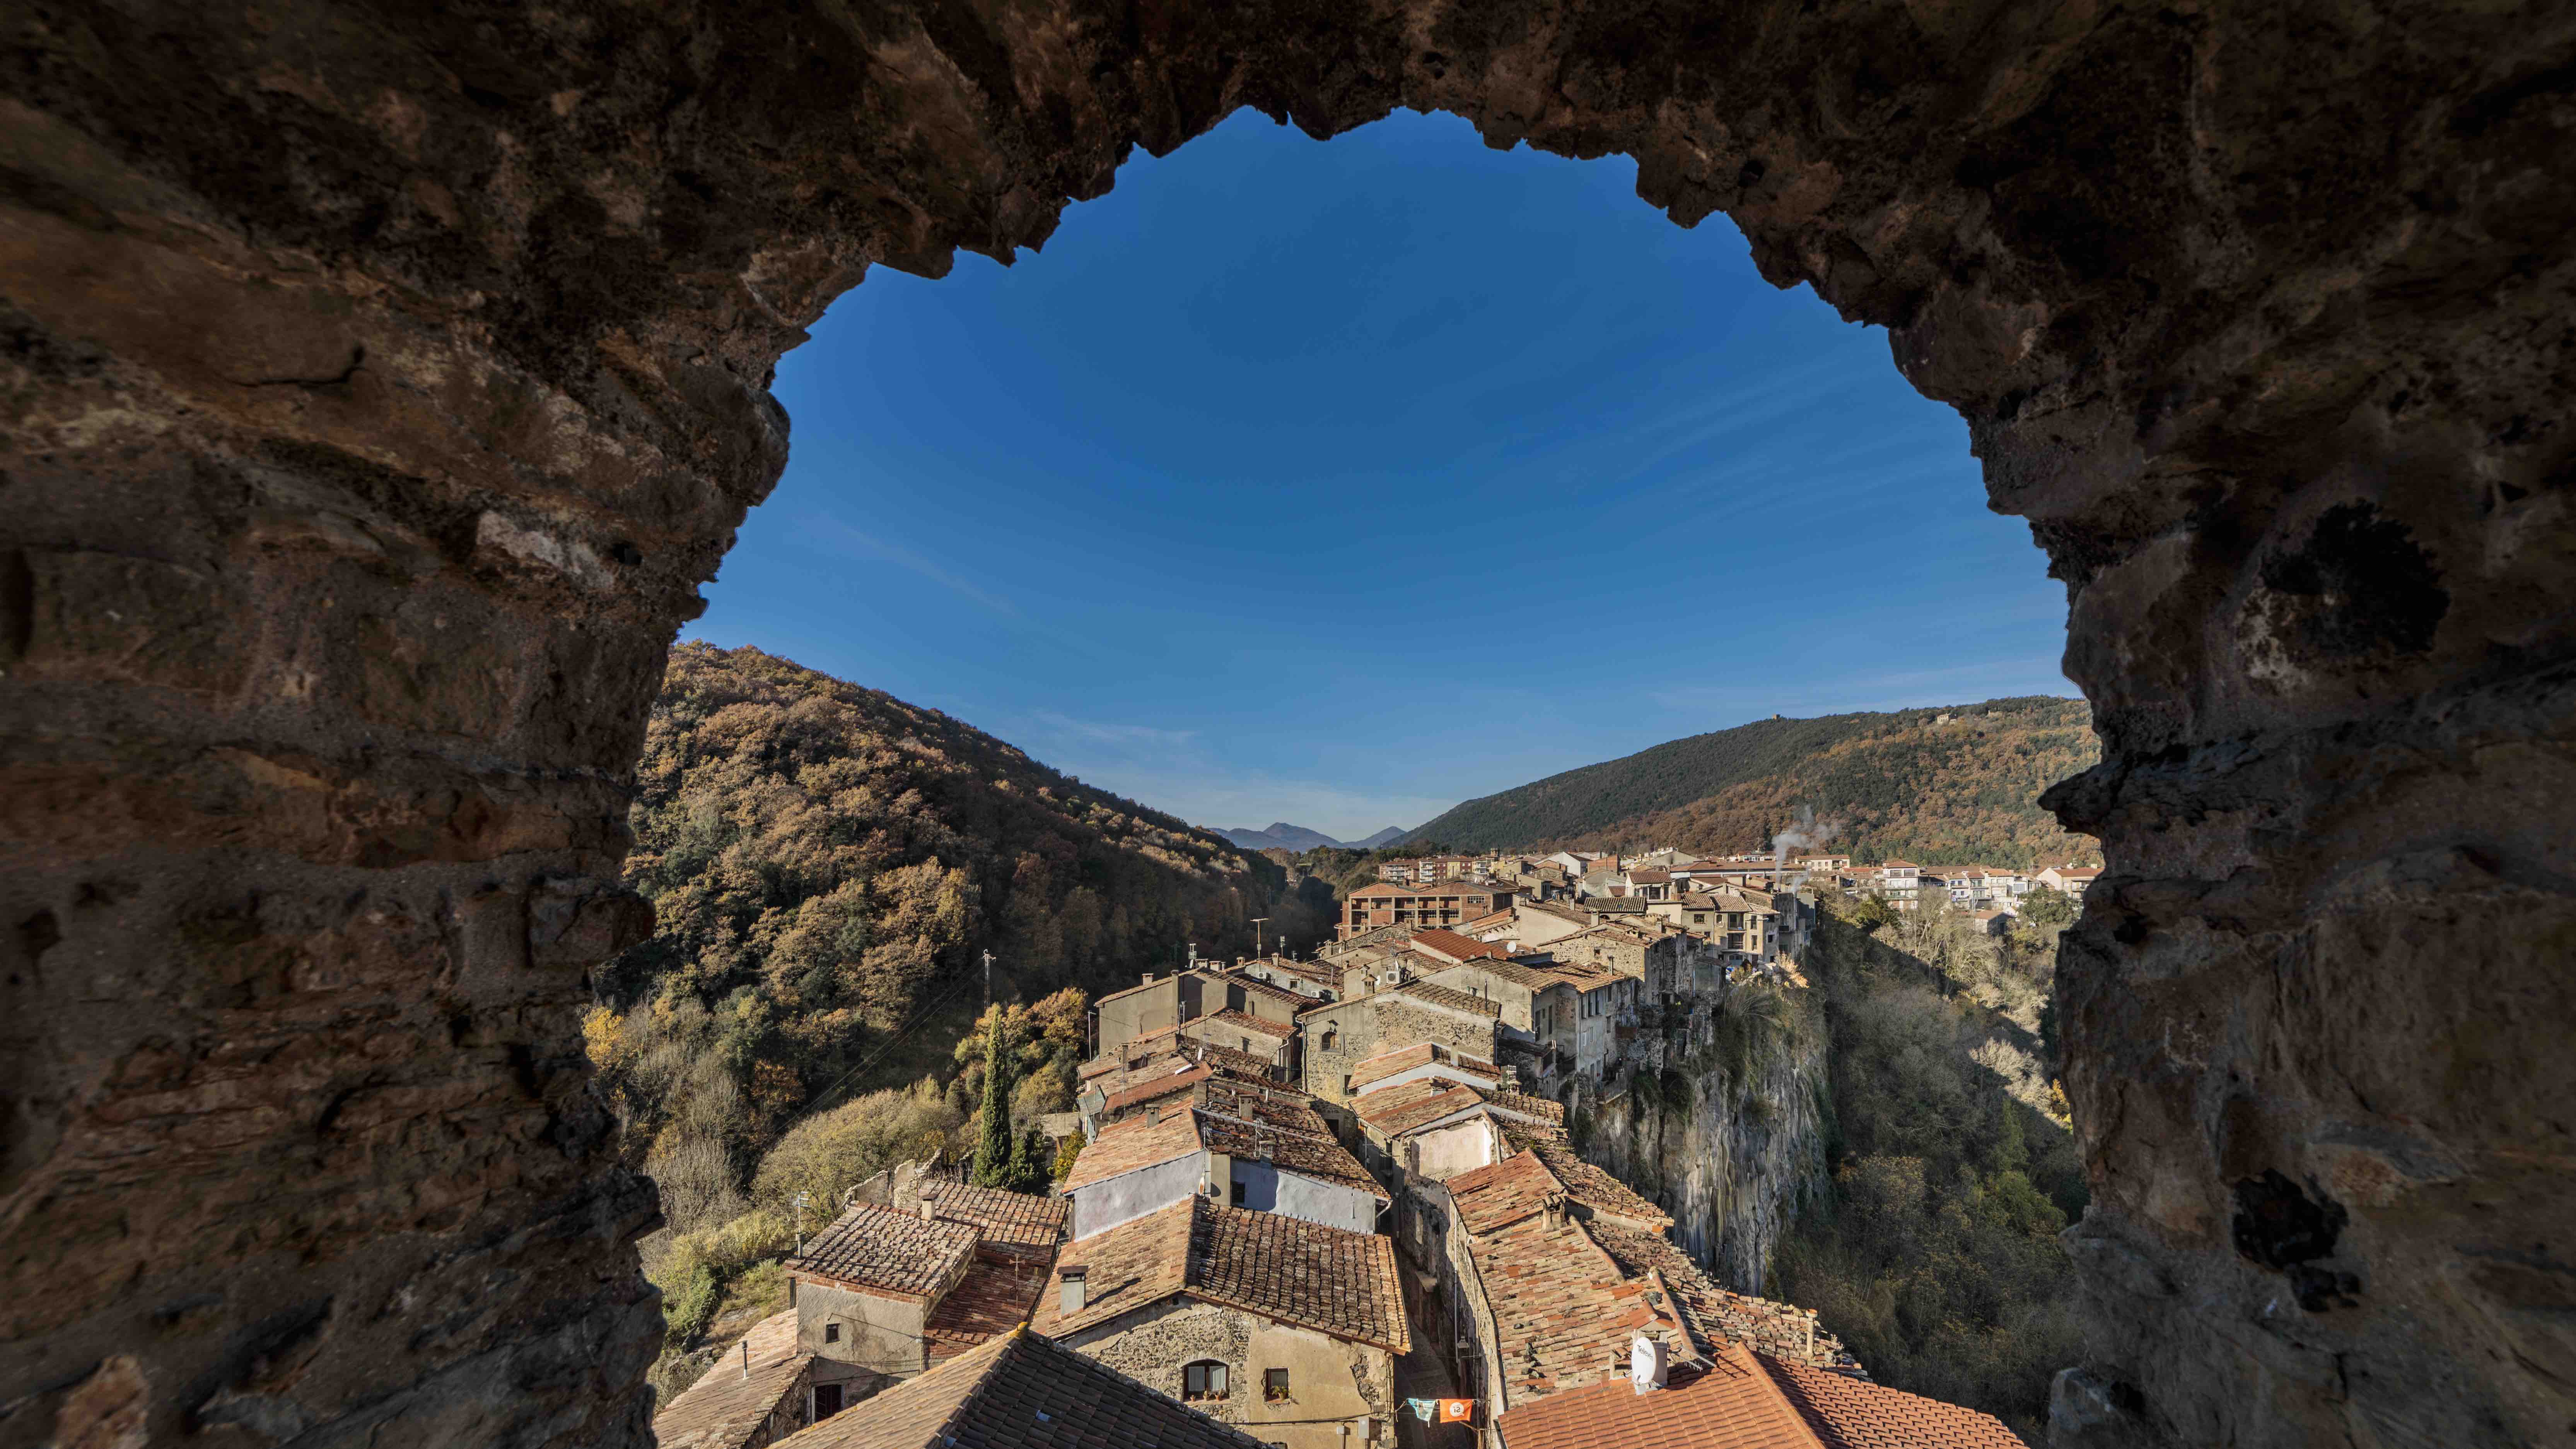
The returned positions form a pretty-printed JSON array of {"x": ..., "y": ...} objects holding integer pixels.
[{"x": 383, "y": 379}]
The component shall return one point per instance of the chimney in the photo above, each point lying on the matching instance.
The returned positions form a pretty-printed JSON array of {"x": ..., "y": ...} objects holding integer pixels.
[
  {"x": 1149, "y": 978},
  {"x": 1070, "y": 1300},
  {"x": 1554, "y": 1207},
  {"x": 929, "y": 1210}
]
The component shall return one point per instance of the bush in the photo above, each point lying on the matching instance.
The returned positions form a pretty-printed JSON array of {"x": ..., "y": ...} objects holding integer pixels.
[{"x": 824, "y": 1155}]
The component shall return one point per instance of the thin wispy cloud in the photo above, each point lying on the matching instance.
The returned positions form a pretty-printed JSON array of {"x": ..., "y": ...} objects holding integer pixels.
[
  {"x": 1132, "y": 735},
  {"x": 866, "y": 545}
]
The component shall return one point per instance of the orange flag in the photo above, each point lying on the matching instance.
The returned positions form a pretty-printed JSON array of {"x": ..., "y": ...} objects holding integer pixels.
[{"x": 1457, "y": 1411}]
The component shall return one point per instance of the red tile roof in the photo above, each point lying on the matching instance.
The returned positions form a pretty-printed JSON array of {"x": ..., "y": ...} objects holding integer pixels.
[
  {"x": 1452, "y": 946},
  {"x": 1315, "y": 1156},
  {"x": 1246, "y": 1021},
  {"x": 1285, "y": 1269},
  {"x": 1432, "y": 994},
  {"x": 1012, "y": 1221},
  {"x": 1180, "y": 1078},
  {"x": 1019, "y": 1391},
  {"x": 1718, "y": 1315},
  {"x": 726, "y": 1406},
  {"x": 1407, "y": 1105},
  {"x": 1563, "y": 1310},
  {"x": 993, "y": 1297},
  {"x": 888, "y": 1249},
  {"x": 1742, "y": 1400},
  {"x": 1589, "y": 1185},
  {"x": 1140, "y": 1141}
]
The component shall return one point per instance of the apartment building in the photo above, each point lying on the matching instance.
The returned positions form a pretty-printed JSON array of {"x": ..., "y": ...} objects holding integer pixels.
[{"x": 1445, "y": 904}]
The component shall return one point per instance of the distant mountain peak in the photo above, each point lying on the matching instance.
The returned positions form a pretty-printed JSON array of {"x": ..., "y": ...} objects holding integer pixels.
[{"x": 1280, "y": 835}]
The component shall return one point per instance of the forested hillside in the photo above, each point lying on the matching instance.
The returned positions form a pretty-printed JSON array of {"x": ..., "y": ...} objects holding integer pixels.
[
  {"x": 828, "y": 864},
  {"x": 1891, "y": 784}
]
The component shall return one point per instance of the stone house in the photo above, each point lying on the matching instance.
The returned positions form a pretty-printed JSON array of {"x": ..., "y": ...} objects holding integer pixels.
[
  {"x": 1257, "y": 1154},
  {"x": 1173, "y": 1002},
  {"x": 1735, "y": 1396},
  {"x": 1433, "y": 1128},
  {"x": 758, "y": 1393},
  {"x": 1568, "y": 1009},
  {"x": 1286, "y": 1329},
  {"x": 1020, "y": 1391},
  {"x": 1337, "y": 1038},
  {"x": 893, "y": 1287}
]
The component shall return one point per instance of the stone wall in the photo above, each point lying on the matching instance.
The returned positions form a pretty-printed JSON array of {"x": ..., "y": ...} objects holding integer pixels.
[
  {"x": 383, "y": 380},
  {"x": 1365, "y": 1026},
  {"x": 1332, "y": 1381}
]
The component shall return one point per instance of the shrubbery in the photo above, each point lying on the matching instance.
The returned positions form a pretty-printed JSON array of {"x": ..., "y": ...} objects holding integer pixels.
[{"x": 1935, "y": 1256}]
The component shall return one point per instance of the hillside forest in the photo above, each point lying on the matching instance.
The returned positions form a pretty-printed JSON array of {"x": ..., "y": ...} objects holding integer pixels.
[
  {"x": 828, "y": 866},
  {"x": 1934, "y": 1256},
  {"x": 1956, "y": 786}
]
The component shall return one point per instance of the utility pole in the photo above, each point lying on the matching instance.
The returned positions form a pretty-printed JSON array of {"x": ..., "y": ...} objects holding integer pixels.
[{"x": 1256, "y": 933}]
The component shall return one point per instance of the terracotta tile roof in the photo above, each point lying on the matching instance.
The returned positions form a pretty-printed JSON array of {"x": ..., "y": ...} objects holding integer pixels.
[
  {"x": 1720, "y": 1316},
  {"x": 1731, "y": 1405},
  {"x": 1282, "y": 1268},
  {"x": 1179, "y": 1078},
  {"x": 1283, "y": 1108},
  {"x": 724, "y": 1408},
  {"x": 1130, "y": 1266},
  {"x": 1019, "y": 1391},
  {"x": 1563, "y": 1310},
  {"x": 1502, "y": 1193},
  {"x": 1401, "y": 1108},
  {"x": 993, "y": 1297},
  {"x": 1650, "y": 877},
  {"x": 1233, "y": 976},
  {"x": 1489, "y": 921},
  {"x": 1853, "y": 1413},
  {"x": 1421, "y": 1054},
  {"x": 1316, "y": 1156},
  {"x": 1140, "y": 1141},
  {"x": 1453, "y": 946},
  {"x": 1743, "y": 1400},
  {"x": 889, "y": 1250},
  {"x": 1589, "y": 1185},
  {"x": 1522, "y": 1104},
  {"x": 1245, "y": 1021},
  {"x": 1013, "y": 1221},
  {"x": 1451, "y": 997}
]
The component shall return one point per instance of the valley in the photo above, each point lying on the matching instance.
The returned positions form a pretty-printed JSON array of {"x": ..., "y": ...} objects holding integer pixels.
[{"x": 1812, "y": 1071}]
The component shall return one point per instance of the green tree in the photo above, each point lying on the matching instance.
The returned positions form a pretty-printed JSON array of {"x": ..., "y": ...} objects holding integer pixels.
[
  {"x": 2045, "y": 907},
  {"x": 994, "y": 1144}
]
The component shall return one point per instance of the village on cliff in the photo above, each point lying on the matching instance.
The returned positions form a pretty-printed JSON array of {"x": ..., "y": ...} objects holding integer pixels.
[{"x": 1333, "y": 1202}]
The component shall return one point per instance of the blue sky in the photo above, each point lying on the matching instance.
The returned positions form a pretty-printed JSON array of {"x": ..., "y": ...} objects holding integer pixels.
[{"x": 1337, "y": 482}]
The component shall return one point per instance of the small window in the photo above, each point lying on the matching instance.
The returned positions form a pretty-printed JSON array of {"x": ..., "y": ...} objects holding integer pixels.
[
  {"x": 827, "y": 1400},
  {"x": 1241, "y": 1193},
  {"x": 1203, "y": 1381},
  {"x": 831, "y": 1333},
  {"x": 1274, "y": 1386},
  {"x": 1331, "y": 1036}
]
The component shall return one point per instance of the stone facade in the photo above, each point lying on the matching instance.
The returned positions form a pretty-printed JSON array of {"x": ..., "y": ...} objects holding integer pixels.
[
  {"x": 1333, "y": 1383},
  {"x": 1361, "y": 1028}
]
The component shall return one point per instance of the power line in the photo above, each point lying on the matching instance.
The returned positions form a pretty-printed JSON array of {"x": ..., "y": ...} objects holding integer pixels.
[{"x": 814, "y": 1103}]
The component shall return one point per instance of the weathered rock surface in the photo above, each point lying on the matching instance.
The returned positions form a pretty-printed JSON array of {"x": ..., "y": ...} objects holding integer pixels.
[
  {"x": 1733, "y": 1162},
  {"x": 383, "y": 378}
]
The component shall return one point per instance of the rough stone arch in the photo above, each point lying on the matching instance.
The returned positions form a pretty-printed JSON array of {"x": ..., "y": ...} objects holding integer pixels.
[{"x": 383, "y": 379}]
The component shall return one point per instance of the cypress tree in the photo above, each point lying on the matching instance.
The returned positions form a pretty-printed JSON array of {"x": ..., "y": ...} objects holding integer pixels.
[{"x": 993, "y": 1142}]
